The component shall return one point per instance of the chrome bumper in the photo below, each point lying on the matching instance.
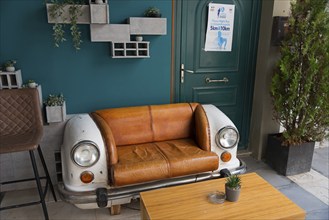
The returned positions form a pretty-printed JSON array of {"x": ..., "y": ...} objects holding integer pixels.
[{"x": 118, "y": 194}]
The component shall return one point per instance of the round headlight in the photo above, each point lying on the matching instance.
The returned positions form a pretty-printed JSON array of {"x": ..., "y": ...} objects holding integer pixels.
[
  {"x": 227, "y": 137},
  {"x": 85, "y": 153}
]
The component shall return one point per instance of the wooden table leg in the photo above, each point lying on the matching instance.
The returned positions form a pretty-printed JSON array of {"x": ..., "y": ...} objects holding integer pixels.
[{"x": 115, "y": 209}]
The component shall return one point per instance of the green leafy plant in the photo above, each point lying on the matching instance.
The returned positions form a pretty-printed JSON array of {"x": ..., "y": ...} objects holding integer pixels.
[
  {"x": 10, "y": 63},
  {"x": 300, "y": 86},
  {"x": 75, "y": 12},
  {"x": 56, "y": 11},
  {"x": 152, "y": 12},
  {"x": 54, "y": 100},
  {"x": 233, "y": 182}
]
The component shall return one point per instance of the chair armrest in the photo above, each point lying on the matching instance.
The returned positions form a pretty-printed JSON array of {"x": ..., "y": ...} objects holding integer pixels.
[
  {"x": 108, "y": 138},
  {"x": 202, "y": 131}
]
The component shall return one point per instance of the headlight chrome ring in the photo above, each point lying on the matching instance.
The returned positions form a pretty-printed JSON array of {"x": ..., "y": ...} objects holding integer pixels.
[
  {"x": 227, "y": 137},
  {"x": 85, "y": 153}
]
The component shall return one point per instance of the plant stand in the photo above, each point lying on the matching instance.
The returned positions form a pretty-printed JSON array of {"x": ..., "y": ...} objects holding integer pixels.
[{"x": 288, "y": 160}]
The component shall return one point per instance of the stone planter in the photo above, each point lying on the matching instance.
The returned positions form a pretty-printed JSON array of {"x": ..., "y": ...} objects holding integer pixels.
[
  {"x": 56, "y": 113},
  {"x": 288, "y": 160},
  {"x": 147, "y": 26},
  {"x": 232, "y": 195}
]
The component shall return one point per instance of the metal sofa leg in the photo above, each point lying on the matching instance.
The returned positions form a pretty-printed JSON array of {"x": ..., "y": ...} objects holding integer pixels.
[
  {"x": 47, "y": 173},
  {"x": 37, "y": 179}
]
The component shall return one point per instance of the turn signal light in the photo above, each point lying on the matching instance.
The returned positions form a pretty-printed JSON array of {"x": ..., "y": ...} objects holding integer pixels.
[
  {"x": 86, "y": 177},
  {"x": 226, "y": 156}
]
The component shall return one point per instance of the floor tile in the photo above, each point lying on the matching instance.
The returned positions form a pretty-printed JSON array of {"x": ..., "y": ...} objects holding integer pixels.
[
  {"x": 302, "y": 198},
  {"x": 315, "y": 183},
  {"x": 321, "y": 214},
  {"x": 273, "y": 178},
  {"x": 252, "y": 164},
  {"x": 320, "y": 161}
]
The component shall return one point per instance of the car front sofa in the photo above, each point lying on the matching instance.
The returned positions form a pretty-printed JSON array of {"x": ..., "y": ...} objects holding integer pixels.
[
  {"x": 109, "y": 156},
  {"x": 151, "y": 143}
]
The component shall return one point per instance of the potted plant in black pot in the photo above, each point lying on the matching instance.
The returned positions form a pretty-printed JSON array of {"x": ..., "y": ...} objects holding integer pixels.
[
  {"x": 232, "y": 188},
  {"x": 300, "y": 89}
]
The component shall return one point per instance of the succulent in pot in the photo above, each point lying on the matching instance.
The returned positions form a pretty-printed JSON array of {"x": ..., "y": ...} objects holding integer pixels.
[
  {"x": 55, "y": 108},
  {"x": 232, "y": 188},
  {"x": 32, "y": 84},
  {"x": 10, "y": 65}
]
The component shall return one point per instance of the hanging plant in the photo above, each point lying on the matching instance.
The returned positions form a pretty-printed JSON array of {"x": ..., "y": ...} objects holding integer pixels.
[
  {"x": 75, "y": 12},
  {"x": 56, "y": 11}
]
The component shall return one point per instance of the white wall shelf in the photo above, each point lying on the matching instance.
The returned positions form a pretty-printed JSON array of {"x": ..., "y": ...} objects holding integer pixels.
[
  {"x": 131, "y": 49},
  {"x": 147, "y": 26},
  {"x": 11, "y": 80},
  {"x": 96, "y": 14}
]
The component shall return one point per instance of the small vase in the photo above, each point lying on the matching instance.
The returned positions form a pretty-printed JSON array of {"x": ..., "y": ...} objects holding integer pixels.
[
  {"x": 99, "y": 1},
  {"x": 32, "y": 85},
  {"x": 10, "y": 68},
  {"x": 139, "y": 38},
  {"x": 232, "y": 195}
]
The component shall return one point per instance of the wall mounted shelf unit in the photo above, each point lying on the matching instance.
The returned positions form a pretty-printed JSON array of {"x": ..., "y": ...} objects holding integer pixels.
[
  {"x": 11, "y": 80},
  {"x": 147, "y": 26},
  {"x": 131, "y": 49},
  {"x": 97, "y": 16}
]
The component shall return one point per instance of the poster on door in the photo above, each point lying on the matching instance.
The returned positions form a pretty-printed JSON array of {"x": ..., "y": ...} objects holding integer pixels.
[{"x": 220, "y": 27}]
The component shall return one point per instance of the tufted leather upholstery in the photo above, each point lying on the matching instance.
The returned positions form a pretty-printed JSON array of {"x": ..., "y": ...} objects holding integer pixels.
[
  {"x": 149, "y": 143},
  {"x": 20, "y": 120}
]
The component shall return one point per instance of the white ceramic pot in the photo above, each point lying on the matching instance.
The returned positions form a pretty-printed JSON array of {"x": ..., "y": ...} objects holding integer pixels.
[
  {"x": 10, "y": 68},
  {"x": 99, "y": 1},
  {"x": 139, "y": 38},
  {"x": 32, "y": 85}
]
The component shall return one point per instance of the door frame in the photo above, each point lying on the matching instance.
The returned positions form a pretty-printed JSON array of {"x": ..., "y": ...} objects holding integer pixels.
[{"x": 253, "y": 46}]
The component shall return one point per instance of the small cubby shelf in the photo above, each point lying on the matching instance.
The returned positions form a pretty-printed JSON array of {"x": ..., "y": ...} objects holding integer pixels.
[
  {"x": 11, "y": 80},
  {"x": 131, "y": 49}
]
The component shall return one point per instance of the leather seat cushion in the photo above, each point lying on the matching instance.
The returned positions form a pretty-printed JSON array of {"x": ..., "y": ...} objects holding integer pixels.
[{"x": 161, "y": 160}]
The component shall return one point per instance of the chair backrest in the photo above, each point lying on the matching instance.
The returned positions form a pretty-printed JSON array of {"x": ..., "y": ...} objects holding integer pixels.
[
  {"x": 20, "y": 112},
  {"x": 143, "y": 124}
]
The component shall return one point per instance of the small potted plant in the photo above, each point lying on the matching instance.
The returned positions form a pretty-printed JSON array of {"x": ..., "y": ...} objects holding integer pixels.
[
  {"x": 10, "y": 65},
  {"x": 32, "y": 84},
  {"x": 152, "y": 12},
  {"x": 55, "y": 108},
  {"x": 232, "y": 188}
]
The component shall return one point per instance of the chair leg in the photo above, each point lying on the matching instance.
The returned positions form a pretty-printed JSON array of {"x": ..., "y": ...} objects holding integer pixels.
[
  {"x": 47, "y": 173},
  {"x": 37, "y": 179}
]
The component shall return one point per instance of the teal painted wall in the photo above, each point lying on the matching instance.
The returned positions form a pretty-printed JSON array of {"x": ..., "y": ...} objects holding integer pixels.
[{"x": 89, "y": 79}]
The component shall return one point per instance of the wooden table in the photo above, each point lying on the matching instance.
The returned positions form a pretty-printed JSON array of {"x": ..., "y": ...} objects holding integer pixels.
[{"x": 258, "y": 200}]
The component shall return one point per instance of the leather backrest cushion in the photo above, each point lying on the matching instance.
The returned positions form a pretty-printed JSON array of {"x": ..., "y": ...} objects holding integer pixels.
[
  {"x": 131, "y": 125},
  {"x": 19, "y": 111},
  {"x": 136, "y": 125},
  {"x": 173, "y": 121}
]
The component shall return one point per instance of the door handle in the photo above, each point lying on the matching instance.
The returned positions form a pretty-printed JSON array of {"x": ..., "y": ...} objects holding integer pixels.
[
  {"x": 182, "y": 70},
  {"x": 224, "y": 80}
]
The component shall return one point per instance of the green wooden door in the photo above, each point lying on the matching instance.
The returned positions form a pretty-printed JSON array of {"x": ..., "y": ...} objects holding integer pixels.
[{"x": 224, "y": 79}]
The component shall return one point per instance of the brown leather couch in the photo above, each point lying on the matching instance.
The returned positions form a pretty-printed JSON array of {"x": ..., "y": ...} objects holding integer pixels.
[{"x": 151, "y": 143}]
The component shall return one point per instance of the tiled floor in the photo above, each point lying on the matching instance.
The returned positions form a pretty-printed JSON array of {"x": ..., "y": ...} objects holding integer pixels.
[{"x": 315, "y": 208}]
